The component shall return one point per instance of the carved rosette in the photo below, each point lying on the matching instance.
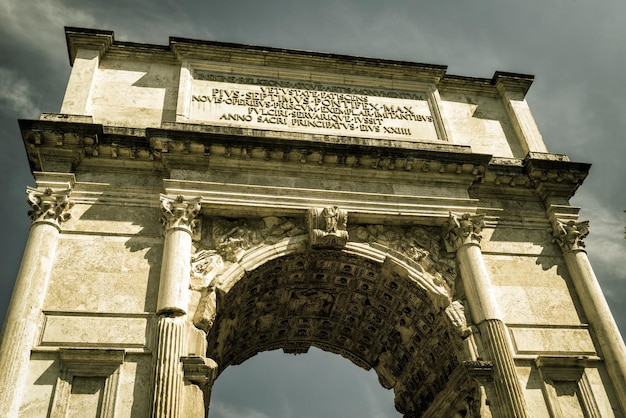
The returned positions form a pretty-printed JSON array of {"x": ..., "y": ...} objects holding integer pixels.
[
  {"x": 570, "y": 234},
  {"x": 48, "y": 205},
  {"x": 462, "y": 229},
  {"x": 179, "y": 213},
  {"x": 327, "y": 227}
]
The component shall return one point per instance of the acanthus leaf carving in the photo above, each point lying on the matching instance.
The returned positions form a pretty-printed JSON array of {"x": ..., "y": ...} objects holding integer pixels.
[
  {"x": 328, "y": 227},
  {"x": 570, "y": 234},
  {"x": 49, "y": 205},
  {"x": 462, "y": 229},
  {"x": 179, "y": 213}
]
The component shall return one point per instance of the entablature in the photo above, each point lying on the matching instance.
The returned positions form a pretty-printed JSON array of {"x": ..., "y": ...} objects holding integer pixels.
[{"x": 62, "y": 144}]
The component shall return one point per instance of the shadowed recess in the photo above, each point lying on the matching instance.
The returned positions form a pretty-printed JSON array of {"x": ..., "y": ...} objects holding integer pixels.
[{"x": 368, "y": 313}]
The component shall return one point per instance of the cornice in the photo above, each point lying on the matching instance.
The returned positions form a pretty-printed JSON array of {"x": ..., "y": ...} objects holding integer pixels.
[
  {"x": 554, "y": 176},
  {"x": 512, "y": 82},
  {"x": 80, "y": 38},
  {"x": 192, "y": 147},
  {"x": 551, "y": 176},
  {"x": 496, "y": 86},
  {"x": 59, "y": 145},
  {"x": 179, "y": 49}
]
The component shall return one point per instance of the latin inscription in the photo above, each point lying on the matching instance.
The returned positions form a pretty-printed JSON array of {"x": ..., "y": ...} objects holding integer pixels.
[{"x": 287, "y": 105}]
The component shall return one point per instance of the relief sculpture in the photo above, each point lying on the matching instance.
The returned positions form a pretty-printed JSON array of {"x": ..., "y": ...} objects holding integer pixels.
[
  {"x": 226, "y": 242},
  {"x": 327, "y": 227},
  {"x": 418, "y": 244},
  {"x": 231, "y": 238},
  {"x": 206, "y": 265}
]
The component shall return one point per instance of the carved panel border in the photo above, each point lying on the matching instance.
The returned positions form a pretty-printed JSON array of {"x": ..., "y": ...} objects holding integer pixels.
[
  {"x": 101, "y": 363},
  {"x": 554, "y": 370}
]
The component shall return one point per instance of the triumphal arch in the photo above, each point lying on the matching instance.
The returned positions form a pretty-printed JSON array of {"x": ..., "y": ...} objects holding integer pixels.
[{"x": 200, "y": 202}]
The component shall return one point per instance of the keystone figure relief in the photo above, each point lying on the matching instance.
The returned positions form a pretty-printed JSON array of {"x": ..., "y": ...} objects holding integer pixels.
[{"x": 327, "y": 227}]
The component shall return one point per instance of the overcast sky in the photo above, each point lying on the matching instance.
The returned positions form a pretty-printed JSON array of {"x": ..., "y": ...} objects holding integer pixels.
[{"x": 575, "y": 48}]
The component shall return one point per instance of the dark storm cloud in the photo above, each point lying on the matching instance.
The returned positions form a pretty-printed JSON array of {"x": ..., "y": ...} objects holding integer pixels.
[{"x": 577, "y": 50}]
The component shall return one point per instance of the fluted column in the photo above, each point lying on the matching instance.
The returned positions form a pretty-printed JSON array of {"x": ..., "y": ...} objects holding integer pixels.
[
  {"x": 49, "y": 209},
  {"x": 569, "y": 235},
  {"x": 179, "y": 221},
  {"x": 463, "y": 235}
]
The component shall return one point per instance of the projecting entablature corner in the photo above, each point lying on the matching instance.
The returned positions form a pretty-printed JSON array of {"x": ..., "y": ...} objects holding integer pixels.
[
  {"x": 550, "y": 176},
  {"x": 90, "y": 39}
]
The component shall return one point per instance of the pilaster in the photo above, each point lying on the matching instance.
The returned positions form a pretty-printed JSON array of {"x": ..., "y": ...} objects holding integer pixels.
[
  {"x": 49, "y": 209},
  {"x": 462, "y": 233},
  {"x": 200, "y": 372},
  {"x": 513, "y": 88}
]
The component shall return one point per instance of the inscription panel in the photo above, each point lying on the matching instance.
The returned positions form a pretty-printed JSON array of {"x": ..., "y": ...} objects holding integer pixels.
[{"x": 310, "y": 107}]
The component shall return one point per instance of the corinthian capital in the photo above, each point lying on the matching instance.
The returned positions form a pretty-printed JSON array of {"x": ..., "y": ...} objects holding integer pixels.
[
  {"x": 179, "y": 213},
  {"x": 48, "y": 205},
  {"x": 570, "y": 234},
  {"x": 462, "y": 229}
]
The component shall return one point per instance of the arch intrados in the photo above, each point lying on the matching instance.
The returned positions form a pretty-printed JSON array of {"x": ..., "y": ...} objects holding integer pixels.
[
  {"x": 398, "y": 326},
  {"x": 262, "y": 254}
]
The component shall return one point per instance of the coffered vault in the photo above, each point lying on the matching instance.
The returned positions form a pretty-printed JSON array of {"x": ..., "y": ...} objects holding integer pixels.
[
  {"x": 200, "y": 202},
  {"x": 371, "y": 312}
]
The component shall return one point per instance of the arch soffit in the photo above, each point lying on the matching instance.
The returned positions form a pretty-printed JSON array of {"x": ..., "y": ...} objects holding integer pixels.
[
  {"x": 414, "y": 350},
  {"x": 439, "y": 295}
]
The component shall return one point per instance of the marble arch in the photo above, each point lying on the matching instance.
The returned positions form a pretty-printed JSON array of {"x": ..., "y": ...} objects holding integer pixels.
[
  {"x": 361, "y": 302},
  {"x": 454, "y": 202}
]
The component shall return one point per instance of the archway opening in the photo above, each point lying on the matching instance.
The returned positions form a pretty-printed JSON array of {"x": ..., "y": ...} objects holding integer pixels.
[
  {"x": 315, "y": 384},
  {"x": 373, "y": 313}
]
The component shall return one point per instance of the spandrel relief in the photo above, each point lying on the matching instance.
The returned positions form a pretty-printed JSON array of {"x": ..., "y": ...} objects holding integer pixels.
[
  {"x": 224, "y": 242},
  {"x": 232, "y": 238},
  {"x": 205, "y": 266},
  {"x": 421, "y": 245}
]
